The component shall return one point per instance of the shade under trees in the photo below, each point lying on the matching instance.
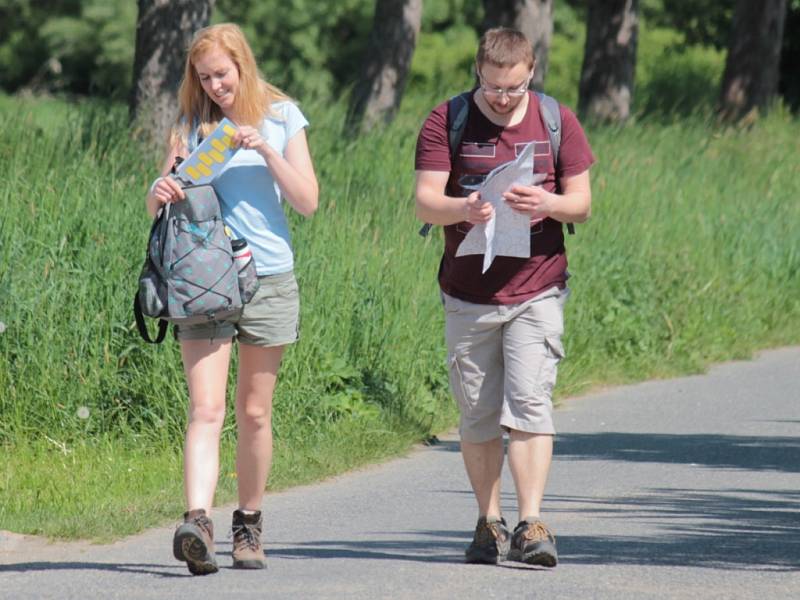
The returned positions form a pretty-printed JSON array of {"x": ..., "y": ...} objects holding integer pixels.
[
  {"x": 609, "y": 60},
  {"x": 164, "y": 30},
  {"x": 752, "y": 67},
  {"x": 534, "y": 18},
  {"x": 386, "y": 62}
]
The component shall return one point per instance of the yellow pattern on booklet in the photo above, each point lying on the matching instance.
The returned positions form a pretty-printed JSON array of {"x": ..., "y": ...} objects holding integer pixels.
[{"x": 208, "y": 159}]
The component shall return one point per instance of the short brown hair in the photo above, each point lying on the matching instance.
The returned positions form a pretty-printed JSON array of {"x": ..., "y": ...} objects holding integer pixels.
[{"x": 504, "y": 47}]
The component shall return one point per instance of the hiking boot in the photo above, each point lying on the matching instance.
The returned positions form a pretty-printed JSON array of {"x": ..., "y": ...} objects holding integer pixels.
[
  {"x": 193, "y": 543},
  {"x": 247, "y": 550},
  {"x": 490, "y": 543},
  {"x": 533, "y": 543}
]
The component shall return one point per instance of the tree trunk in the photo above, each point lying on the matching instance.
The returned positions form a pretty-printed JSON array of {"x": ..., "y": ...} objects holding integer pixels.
[
  {"x": 534, "y": 18},
  {"x": 379, "y": 90},
  {"x": 751, "y": 69},
  {"x": 609, "y": 60},
  {"x": 164, "y": 30}
]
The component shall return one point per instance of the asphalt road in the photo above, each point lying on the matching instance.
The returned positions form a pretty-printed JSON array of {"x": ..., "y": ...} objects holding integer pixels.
[{"x": 687, "y": 488}]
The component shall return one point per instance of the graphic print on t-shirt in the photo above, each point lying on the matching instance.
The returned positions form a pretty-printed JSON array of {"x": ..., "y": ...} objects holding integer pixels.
[
  {"x": 477, "y": 150},
  {"x": 540, "y": 149},
  {"x": 509, "y": 280}
]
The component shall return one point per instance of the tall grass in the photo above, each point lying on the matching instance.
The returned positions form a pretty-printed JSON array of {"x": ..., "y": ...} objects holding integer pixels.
[{"x": 691, "y": 256}]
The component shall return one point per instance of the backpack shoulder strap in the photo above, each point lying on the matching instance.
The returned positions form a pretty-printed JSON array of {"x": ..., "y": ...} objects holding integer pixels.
[
  {"x": 551, "y": 115},
  {"x": 457, "y": 113}
]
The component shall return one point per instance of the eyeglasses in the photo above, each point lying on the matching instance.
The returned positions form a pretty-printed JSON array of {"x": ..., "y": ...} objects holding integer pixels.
[{"x": 511, "y": 93}]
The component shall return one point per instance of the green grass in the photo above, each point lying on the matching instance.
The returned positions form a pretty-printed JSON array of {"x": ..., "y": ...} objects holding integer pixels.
[
  {"x": 691, "y": 257},
  {"x": 104, "y": 488}
]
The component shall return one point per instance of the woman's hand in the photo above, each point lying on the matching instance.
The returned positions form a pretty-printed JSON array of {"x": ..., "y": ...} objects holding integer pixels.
[
  {"x": 166, "y": 190},
  {"x": 249, "y": 138}
]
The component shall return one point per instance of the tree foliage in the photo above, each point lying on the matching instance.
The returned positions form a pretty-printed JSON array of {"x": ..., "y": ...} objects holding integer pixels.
[
  {"x": 68, "y": 46},
  {"x": 313, "y": 49},
  {"x": 309, "y": 48}
]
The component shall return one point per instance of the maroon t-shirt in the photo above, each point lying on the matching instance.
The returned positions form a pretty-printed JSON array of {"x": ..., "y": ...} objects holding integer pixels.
[{"x": 483, "y": 147}]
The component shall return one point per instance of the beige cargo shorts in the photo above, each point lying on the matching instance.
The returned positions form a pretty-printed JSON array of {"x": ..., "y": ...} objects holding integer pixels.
[{"x": 503, "y": 362}]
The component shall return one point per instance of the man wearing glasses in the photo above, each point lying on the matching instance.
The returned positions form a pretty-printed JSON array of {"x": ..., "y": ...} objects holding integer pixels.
[{"x": 503, "y": 327}]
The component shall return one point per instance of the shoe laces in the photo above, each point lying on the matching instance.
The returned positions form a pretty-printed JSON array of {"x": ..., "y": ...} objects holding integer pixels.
[
  {"x": 490, "y": 531},
  {"x": 538, "y": 531},
  {"x": 244, "y": 534},
  {"x": 204, "y": 523}
]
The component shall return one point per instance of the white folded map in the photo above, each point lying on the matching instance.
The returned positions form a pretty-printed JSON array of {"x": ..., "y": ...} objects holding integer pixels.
[{"x": 508, "y": 232}]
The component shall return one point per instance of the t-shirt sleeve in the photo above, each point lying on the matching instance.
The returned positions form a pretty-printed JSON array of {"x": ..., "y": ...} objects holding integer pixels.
[
  {"x": 575, "y": 154},
  {"x": 433, "y": 150},
  {"x": 295, "y": 120}
]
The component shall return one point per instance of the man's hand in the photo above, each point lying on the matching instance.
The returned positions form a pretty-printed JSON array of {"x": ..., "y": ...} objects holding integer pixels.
[
  {"x": 532, "y": 200},
  {"x": 478, "y": 211}
]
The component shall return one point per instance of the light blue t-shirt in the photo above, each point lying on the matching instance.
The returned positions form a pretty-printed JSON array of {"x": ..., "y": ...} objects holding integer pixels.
[{"x": 249, "y": 195}]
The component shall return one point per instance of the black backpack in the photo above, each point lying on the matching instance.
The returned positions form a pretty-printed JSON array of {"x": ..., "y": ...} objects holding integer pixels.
[{"x": 458, "y": 112}]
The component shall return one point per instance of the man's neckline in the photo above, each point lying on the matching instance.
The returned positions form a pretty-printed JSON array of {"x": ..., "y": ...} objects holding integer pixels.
[{"x": 511, "y": 122}]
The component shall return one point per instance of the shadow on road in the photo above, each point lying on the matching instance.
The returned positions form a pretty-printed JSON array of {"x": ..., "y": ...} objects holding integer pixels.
[
  {"x": 439, "y": 547},
  {"x": 724, "y": 529},
  {"x": 710, "y": 450},
  {"x": 721, "y": 529}
]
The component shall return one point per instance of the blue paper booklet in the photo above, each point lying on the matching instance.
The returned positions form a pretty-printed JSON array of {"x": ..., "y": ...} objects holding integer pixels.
[{"x": 208, "y": 159}]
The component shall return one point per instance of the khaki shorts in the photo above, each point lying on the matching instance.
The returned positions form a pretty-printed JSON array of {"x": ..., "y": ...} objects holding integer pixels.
[
  {"x": 271, "y": 318},
  {"x": 503, "y": 362}
]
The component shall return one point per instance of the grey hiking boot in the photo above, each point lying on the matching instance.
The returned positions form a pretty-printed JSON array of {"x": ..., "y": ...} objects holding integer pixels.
[
  {"x": 193, "y": 543},
  {"x": 491, "y": 542},
  {"x": 533, "y": 543},
  {"x": 247, "y": 550}
]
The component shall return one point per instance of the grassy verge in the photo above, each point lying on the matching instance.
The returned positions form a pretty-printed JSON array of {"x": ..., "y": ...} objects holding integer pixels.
[
  {"x": 105, "y": 488},
  {"x": 691, "y": 257}
]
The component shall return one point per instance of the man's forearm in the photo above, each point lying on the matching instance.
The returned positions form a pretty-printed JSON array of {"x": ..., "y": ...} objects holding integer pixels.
[
  {"x": 439, "y": 209},
  {"x": 572, "y": 208}
]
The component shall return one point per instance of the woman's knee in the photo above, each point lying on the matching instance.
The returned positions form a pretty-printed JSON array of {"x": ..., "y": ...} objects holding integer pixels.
[
  {"x": 207, "y": 413},
  {"x": 254, "y": 414}
]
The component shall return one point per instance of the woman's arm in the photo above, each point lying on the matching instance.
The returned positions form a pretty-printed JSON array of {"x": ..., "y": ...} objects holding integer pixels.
[
  {"x": 293, "y": 172},
  {"x": 165, "y": 189}
]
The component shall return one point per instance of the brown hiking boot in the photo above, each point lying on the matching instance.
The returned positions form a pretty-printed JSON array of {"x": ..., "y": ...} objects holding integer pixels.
[
  {"x": 533, "y": 543},
  {"x": 490, "y": 542},
  {"x": 247, "y": 550},
  {"x": 193, "y": 543}
]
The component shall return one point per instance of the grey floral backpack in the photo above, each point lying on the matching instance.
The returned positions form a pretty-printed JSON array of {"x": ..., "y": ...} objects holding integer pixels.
[{"x": 190, "y": 273}]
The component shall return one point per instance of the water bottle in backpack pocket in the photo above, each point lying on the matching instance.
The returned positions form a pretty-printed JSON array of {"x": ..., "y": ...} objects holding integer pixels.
[{"x": 246, "y": 269}]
